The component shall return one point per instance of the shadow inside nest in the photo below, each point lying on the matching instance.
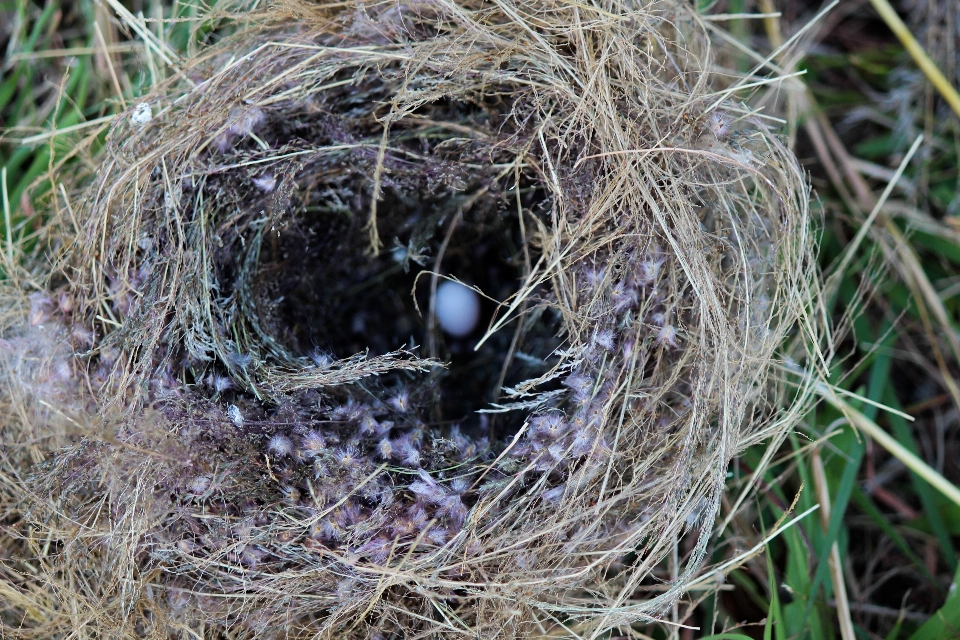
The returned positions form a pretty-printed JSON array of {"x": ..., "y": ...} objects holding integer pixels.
[{"x": 321, "y": 290}]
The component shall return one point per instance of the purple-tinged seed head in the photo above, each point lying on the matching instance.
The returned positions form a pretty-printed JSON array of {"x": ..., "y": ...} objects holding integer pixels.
[
  {"x": 584, "y": 442},
  {"x": 312, "y": 443},
  {"x": 350, "y": 514},
  {"x": 467, "y": 451},
  {"x": 580, "y": 384},
  {"x": 453, "y": 508},
  {"x": 556, "y": 451},
  {"x": 438, "y": 535},
  {"x": 404, "y": 450},
  {"x": 594, "y": 276},
  {"x": 667, "y": 336},
  {"x": 347, "y": 456},
  {"x": 266, "y": 183},
  {"x": 321, "y": 359},
  {"x": 649, "y": 271},
  {"x": 604, "y": 339},
  {"x": 352, "y": 411},
  {"x": 418, "y": 516},
  {"x": 623, "y": 298},
  {"x": 402, "y": 526},
  {"x": 549, "y": 426},
  {"x": 252, "y": 556},
  {"x": 377, "y": 549},
  {"x": 371, "y": 428},
  {"x": 280, "y": 446},
  {"x": 429, "y": 492},
  {"x": 246, "y": 122},
  {"x": 291, "y": 494},
  {"x": 719, "y": 123},
  {"x": 400, "y": 402},
  {"x": 240, "y": 360},
  {"x": 411, "y": 458},
  {"x": 330, "y": 530},
  {"x": 199, "y": 485}
]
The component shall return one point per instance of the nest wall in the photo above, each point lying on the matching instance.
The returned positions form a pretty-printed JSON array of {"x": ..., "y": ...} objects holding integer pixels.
[{"x": 232, "y": 410}]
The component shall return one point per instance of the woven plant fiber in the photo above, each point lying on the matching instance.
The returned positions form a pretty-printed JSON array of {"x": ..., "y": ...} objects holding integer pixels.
[{"x": 232, "y": 413}]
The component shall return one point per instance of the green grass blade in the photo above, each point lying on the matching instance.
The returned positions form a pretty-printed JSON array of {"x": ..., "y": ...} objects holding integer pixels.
[
  {"x": 945, "y": 623},
  {"x": 933, "y": 505}
]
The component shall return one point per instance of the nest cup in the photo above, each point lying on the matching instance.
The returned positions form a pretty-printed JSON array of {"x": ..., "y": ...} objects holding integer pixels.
[{"x": 288, "y": 441}]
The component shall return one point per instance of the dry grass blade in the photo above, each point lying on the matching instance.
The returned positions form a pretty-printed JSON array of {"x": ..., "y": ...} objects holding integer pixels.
[
  {"x": 916, "y": 51},
  {"x": 836, "y": 567}
]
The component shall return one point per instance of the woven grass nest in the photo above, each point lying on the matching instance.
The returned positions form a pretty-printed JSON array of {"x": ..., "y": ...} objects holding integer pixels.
[{"x": 232, "y": 412}]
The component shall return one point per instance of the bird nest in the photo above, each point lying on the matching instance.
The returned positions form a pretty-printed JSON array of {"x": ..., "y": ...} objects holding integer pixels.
[{"x": 252, "y": 421}]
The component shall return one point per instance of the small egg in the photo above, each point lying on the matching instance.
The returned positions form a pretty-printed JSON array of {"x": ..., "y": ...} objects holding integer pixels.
[{"x": 458, "y": 308}]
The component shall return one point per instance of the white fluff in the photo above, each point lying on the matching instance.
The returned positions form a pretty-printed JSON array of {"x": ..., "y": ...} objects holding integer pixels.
[
  {"x": 142, "y": 114},
  {"x": 458, "y": 308}
]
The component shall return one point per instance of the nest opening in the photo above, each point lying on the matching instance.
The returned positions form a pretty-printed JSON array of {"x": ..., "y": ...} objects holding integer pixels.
[{"x": 319, "y": 290}]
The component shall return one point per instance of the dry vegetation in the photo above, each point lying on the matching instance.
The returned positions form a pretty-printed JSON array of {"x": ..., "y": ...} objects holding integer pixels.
[
  {"x": 244, "y": 422},
  {"x": 232, "y": 414}
]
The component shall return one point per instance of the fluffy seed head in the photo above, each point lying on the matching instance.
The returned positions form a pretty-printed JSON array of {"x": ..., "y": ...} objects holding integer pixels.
[
  {"x": 370, "y": 427},
  {"x": 549, "y": 426},
  {"x": 431, "y": 493},
  {"x": 313, "y": 443},
  {"x": 280, "y": 446},
  {"x": 266, "y": 183},
  {"x": 580, "y": 384},
  {"x": 247, "y": 121},
  {"x": 400, "y": 402},
  {"x": 554, "y": 495},
  {"x": 594, "y": 276},
  {"x": 352, "y": 411},
  {"x": 199, "y": 485},
  {"x": 649, "y": 271},
  {"x": 667, "y": 336},
  {"x": 377, "y": 550},
  {"x": 718, "y": 123},
  {"x": 622, "y": 297},
  {"x": 321, "y": 359},
  {"x": 347, "y": 456},
  {"x": 605, "y": 339},
  {"x": 220, "y": 383},
  {"x": 240, "y": 360},
  {"x": 438, "y": 535}
]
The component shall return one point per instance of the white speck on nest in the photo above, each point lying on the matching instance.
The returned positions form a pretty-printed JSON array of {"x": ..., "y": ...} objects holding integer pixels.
[
  {"x": 142, "y": 114},
  {"x": 233, "y": 412},
  {"x": 458, "y": 308},
  {"x": 266, "y": 183}
]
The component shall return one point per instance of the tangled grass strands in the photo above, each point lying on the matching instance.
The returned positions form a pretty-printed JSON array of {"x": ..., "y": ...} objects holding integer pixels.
[{"x": 265, "y": 450}]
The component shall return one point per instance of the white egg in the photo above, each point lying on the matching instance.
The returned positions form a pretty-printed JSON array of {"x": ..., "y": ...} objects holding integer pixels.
[{"x": 458, "y": 308}]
